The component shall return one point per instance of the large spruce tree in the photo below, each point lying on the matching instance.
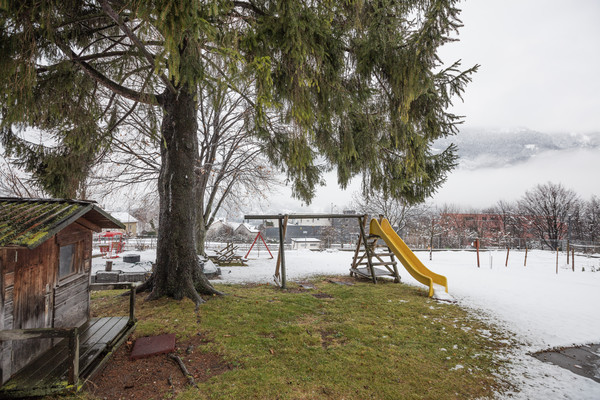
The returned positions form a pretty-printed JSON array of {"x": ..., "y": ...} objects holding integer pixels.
[{"x": 355, "y": 85}]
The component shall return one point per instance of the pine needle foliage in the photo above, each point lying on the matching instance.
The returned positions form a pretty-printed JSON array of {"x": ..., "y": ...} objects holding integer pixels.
[{"x": 355, "y": 85}]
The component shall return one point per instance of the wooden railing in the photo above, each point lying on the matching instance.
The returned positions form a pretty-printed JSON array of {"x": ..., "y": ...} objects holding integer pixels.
[
  {"x": 71, "y": 333},
  {"x": 115, "y": 286},
  {"x": 51, "y": 333}
]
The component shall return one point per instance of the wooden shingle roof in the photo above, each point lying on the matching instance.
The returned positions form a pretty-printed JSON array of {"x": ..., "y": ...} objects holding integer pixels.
[{"x": 30, "y": 222}]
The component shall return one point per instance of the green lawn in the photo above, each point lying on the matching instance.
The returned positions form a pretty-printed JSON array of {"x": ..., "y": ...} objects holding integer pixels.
[{"x": 384, "y": 341}]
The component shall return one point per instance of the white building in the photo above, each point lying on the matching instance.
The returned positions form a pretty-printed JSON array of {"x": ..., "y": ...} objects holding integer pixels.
[
  {"x": 306, "y": 243},
  {"x": 127, "y": 220}
]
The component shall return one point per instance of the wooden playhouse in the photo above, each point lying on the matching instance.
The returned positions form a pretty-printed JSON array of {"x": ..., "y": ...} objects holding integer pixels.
[{"x": 48, "y": 342}]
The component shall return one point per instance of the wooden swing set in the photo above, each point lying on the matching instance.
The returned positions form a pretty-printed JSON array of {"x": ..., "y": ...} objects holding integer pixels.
[{"x": 365, "y": 253}]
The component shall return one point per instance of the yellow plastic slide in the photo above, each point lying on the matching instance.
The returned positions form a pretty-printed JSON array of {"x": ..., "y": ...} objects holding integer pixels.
[{"x": 410, "y": 261}]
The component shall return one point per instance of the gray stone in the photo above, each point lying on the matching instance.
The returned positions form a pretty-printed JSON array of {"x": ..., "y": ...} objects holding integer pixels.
[
  {"x": 210, "y": 269},
  {"x": 131, "y": 258},
  {"x": 107, "y": 276}
]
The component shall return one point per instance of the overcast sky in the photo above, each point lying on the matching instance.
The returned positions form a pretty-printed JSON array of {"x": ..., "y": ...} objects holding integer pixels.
[
  {"x": 540, "y": 63},
  {"x": 540, "y": 69}
]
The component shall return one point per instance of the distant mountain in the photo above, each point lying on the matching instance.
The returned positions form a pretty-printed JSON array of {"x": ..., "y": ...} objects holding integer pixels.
[{"x": 480, "y": 148}]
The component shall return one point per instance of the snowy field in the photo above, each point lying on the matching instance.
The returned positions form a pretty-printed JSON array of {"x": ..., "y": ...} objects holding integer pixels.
[{"x": 541, "y": 308}]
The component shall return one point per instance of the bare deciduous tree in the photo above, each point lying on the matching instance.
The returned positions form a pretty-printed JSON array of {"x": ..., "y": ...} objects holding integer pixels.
[
  {"x": 14, "y": 182},
  {"x": 548, "y": 206},
  {"x": 398, "y": 212},
  {"x": 590, "y": 220},
  {"x": 231, "y": 170}
]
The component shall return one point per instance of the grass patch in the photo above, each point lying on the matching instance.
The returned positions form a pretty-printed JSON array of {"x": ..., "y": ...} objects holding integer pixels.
[{"x": 383, "y": 341}]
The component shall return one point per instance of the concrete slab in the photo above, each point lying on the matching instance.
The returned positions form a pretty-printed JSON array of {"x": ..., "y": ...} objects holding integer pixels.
[
  {"x": 148, "y": 346},
  {"x": 133, "y": 277}
]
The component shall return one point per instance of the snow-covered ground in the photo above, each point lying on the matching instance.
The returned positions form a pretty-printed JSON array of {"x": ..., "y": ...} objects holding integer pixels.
[{"x": 541, "y": 308}]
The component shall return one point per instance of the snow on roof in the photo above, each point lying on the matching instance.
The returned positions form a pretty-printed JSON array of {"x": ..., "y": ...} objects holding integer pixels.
[
  {"x": 232, "y": 225},
  {"x": 306, "y": 240},
  {"x": 123, "y": 216},
  {"x": 251, "y": 228}
]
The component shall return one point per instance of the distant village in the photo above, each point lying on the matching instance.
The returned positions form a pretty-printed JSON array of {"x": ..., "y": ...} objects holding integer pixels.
[{"x": 441, "y": 231}]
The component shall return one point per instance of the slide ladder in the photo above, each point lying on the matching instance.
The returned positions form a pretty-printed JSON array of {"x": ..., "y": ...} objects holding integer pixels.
[{"x": 409, "y": 260}]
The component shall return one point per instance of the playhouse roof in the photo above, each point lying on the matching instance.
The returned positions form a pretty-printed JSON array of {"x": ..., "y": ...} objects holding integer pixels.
[{"x": 30, "y": 222}]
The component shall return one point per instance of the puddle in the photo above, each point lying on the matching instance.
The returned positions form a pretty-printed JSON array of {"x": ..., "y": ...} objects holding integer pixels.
[{"x": 582, "y": 360}]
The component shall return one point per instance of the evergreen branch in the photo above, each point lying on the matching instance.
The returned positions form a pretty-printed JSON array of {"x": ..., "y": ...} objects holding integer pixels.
[
  {"x": 249, "y": 6},
  {"x": 115, "y": 17},
  {"x": 98, "y": 56},
  {"x": 146, "y": 98}
]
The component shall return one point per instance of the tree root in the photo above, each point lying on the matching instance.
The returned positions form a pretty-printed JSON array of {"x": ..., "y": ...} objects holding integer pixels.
[
  {"x": 195, "y": 286},
  {"x": 183, "y": 368}
]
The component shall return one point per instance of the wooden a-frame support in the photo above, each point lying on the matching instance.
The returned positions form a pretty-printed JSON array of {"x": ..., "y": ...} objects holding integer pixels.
[{"x": 368, "y": 254}]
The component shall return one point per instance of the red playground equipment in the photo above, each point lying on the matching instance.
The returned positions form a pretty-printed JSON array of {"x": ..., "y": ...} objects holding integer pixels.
[
  {"x": 258, "y": 235},
  {"x": 111, "y": 244}
]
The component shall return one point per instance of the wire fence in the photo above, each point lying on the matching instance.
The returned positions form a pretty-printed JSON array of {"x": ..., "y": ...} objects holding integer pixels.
[
  {"x": 454, "y": 243},
  {"x": 414, "y": 242}
]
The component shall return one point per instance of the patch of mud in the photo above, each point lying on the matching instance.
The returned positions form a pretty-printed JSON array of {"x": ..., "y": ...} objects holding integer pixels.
[{"x": 157, "y": 376}]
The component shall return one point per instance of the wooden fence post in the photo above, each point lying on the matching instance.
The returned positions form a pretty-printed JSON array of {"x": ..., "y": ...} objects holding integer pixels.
[
  {"x": 74, "y": 357},
  {"x": 132, "y": 304},
  {"x": 525, "y": 263},
  {"x": 556, "y": 260},
  {"x": 477, "y": 247},
  {"x": 507, "y": 252}
]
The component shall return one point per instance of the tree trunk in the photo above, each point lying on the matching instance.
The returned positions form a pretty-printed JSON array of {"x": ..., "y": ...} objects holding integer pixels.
[
  {"x": 200, "y": 232},
  {"x": 178, "y": 271}
]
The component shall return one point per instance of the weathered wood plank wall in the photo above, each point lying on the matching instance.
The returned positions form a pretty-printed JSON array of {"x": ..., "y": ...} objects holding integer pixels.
[
  {"x": 33, "y": 296},
  {"x": 33, "y": 280},
  {"x": 7, "y": 265}
]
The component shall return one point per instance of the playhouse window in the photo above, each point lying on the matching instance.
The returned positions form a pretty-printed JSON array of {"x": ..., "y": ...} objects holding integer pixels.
[{"x": 67, "y": 260}]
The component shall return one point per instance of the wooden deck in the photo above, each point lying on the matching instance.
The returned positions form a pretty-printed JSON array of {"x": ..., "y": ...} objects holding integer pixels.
[{"x": 98, "y": 338}]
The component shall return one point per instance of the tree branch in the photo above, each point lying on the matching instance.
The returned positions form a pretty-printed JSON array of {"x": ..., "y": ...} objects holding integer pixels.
[
  {"x": 115, "y": 17},
  {"x": 146, "y": 98}
]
